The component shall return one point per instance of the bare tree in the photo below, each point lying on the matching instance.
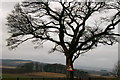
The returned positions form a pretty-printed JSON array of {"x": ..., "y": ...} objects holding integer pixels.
[{"x": 66, "y": 25}]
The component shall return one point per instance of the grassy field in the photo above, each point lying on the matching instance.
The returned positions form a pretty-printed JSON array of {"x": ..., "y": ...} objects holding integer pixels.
[
  {"x": 33, "y": 77},
  {"x": 20, "y": 76},
  {"x": 47, "y": 76}
]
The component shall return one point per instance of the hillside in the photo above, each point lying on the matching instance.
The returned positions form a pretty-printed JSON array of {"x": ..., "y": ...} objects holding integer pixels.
[
  {"x": 13, "y": 66},
  {"x": 28, "y": 66},
  {"x": 46, "y": 74},
  {"x": 13, "y": 62}
]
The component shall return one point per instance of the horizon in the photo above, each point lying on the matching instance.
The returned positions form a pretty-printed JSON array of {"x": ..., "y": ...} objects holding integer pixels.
[
  {"x": 80, "y": 67},
  {"x": 98, "y": 57}
]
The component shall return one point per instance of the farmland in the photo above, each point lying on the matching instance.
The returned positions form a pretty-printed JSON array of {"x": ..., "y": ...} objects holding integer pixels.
[
  {"x": 35, "y": 75},
  {"x": 18, "y": 70},
  {"x": 47, "y": 76}
]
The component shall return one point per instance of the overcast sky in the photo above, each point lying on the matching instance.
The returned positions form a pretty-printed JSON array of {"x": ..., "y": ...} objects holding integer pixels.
[{"x": 102, "y": 57}]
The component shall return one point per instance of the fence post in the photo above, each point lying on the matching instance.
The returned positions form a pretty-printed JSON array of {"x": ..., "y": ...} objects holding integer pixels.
[
  {"x": 90, "y": 78},
  {"x": 17, "y": 78},
  {"x": 80, "y": 78},
  {"x": 31, "y": 78}
]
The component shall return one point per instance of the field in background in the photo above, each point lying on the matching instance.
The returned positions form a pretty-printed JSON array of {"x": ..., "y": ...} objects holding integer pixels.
[
  {"x": 12, "y": 71},
  {"x": 47, "y": 76},
  {"x": 35, "y": 75}
]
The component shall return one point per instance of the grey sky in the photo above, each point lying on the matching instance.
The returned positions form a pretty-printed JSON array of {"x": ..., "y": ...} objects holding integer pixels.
[{"x": 102, "y": 57}]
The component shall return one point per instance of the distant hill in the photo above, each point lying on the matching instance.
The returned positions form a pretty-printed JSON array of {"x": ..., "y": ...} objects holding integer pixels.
[
  {"x": 12, "y": 65},
  {"x": 13, "y": 62}
]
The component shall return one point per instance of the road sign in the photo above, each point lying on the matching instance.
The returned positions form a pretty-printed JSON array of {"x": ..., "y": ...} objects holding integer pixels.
[{"x": 69, "y": 68}]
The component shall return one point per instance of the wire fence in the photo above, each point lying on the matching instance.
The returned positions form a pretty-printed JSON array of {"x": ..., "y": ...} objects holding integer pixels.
[{"x": 90, "y": 78}]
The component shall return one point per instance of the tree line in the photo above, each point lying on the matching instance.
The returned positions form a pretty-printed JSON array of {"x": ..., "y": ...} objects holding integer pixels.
[{"x": 56, "y": 68}]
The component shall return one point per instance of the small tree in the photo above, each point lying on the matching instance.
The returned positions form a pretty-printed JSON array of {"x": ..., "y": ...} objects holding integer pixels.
[
  {"x": 116, "y": 70},
  {"x": 66, "y": 25}
]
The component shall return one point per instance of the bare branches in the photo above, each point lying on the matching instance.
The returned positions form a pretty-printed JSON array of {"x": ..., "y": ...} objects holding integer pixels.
[
  {"x": 69, "y": 28},
  {"x": 15, "y": 43},
  {"x": 114, "y": 22},
  {"x": 78, "y": 54}
]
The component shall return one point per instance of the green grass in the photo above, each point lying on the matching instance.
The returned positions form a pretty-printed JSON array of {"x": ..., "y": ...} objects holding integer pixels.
[
  {"x": 22, "y": 79},
  {"x": 14, "y": 76},
  {"x": 26, "y": 77},
  {"x": 18, "y": 76},
  {"x": 117, "y": 79}
]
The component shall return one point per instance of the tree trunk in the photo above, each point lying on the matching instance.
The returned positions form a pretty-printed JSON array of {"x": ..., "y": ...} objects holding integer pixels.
[{"x": 69, "y": 74}]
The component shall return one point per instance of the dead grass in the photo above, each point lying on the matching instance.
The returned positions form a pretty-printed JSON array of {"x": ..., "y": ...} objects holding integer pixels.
[
  {"x": 46, "y": 74},
  {"x": 23, "y": 62},
  {"x": 8, "y": 67}
]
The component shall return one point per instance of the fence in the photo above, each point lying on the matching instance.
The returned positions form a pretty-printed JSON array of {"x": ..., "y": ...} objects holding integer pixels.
[{"x": 59, "y": 79}]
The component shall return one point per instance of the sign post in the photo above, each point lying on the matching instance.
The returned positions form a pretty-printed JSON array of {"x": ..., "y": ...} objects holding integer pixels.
[{"x": 69, "y": 68}]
